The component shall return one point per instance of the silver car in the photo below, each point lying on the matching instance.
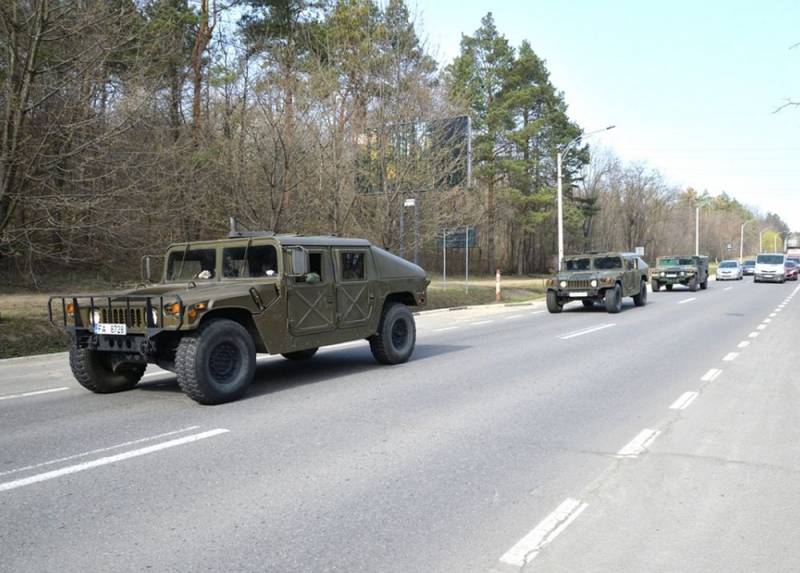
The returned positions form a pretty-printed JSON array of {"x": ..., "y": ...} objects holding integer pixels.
[{"x": 729, "y": 270}]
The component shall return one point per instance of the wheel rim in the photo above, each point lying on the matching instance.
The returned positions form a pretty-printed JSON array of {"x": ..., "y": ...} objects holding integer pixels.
[
  {"x": 224, "y": 362},
  {"x": 399, "y": 333}
]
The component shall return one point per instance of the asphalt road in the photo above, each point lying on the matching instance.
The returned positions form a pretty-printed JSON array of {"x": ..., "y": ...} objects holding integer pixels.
[{"x": 663, "y": 438}]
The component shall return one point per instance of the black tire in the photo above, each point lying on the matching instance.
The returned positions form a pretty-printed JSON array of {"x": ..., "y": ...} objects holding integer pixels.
[
  {"x": 641, "y": 298},
  {"x": 704, "y": 284},
  {"x": 693, "y": 285},
  {"x": 93, "y": 371},
  {"x": 656, "y": 286},
  {"x": 300, "y": 354},
  {"x": 216, "y": 363},
  {"x": 587, "y": 303},
  {"x": 614, "y": 300},
  {"x": 669, "y": 287},
  {"x": 553, "y": 305},
  {"x": 396, "y": 337}
]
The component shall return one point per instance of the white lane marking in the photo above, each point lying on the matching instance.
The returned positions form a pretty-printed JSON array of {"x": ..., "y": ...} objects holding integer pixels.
[
  {"x": 445, "y": 328},
  {"x": 773, "y": 314},
  {"x": 513, "y": 317},
  {"x": 481, "y": 322},
  {"x": 575, "y": 333},
  {"x": 99, "y": 450},
  {"x": 683, "y": 402},
  {"x": 753, "y": 334},
  {"x": 684, "y": 301},
  {"x": 638, "y": 444},
  {"x": 767, "y": 320},
  {"x": 9, "y": 485},
  {"x": 778, "y": 309},
  {"x": 727, "y": 288},
  {"x": 527, "y": 548},
  {"x": 35, "y": 393},
  {"x": 711, "y": 375},
  {"x": 537, "y": 312},
  {"x": 761, "y": 327},
  {"x": 730, "y": 356},
  {"x": 743, "y": 344}
]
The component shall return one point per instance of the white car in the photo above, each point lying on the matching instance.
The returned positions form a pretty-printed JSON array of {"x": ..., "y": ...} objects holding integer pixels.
[
  {"x": 729, "y": 271},
  {"x": 770, "y": 267}
]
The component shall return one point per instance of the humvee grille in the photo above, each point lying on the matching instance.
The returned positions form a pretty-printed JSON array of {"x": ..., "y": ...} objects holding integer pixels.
[
  {"x": 133, "y": 317},
  {"x": 579, "y": 284}
]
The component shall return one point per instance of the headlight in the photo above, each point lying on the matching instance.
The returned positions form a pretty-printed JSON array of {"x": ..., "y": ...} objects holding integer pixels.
[
  {"x": 154, "y": 316},
  {"x": 593, "y": 283},
  {"x": 683, "y": 274},
  {"x": 96, "y": 317},
  {"x": 563, "y": 284},
  {"x": 663, "y": 273}
]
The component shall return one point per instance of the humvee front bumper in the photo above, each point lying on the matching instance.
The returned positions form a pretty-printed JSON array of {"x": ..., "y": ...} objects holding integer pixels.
[
  {"x": 671, "y": 279},
  {"x": 124, "y": 324}
]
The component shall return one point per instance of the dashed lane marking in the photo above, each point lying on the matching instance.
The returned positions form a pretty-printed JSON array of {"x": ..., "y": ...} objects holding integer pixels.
[
  {"x": 576, "y": 333},
  {"x": 743, "y": 344},
  {"x": 34, "y": 393},
  {"x": 445, "y": 328},
  {"x": 711, "y": 375},
  {"x": 730, "y": 356},
  {"x": 683, "y": 402},
  {"x": 9, "y": 485},
  {"x": 513, "y": 317},
  {"x": 684, "y": 301},
  {"x": 481, "y": 322},
  {"x": 753, "y": 335},
  {"x": 638, "y": 444},
  {"x": 527, "y": 548},
  {"x": 761, "y": 327}
]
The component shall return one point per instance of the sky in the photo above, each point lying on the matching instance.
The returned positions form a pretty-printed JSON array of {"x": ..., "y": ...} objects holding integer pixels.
[{"x": 692, "y": 87}]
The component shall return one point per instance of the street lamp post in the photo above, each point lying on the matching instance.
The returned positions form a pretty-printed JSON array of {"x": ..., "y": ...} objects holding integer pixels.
[
  {"x": 741, "y": 240},
  {"x": 559, "y": 195}
]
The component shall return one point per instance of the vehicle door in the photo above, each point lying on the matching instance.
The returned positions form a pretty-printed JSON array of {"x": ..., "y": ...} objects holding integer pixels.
[
  {"x": 312, "y": 307},
  {"x": 355, "y": 297},
  {"x": 630, "y": 281}
]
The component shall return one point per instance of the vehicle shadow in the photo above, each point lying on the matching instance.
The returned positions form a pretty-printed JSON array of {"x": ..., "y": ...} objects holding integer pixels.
[
  {"x": 580, "y": 309},
  {"x": 278, "y": 374}
]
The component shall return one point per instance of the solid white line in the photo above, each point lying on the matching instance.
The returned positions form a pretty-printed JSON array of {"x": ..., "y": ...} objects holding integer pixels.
[
  {"x": 35, "y": 393},
  {"x": 97, "y": 451},
  {"x": 527, "y": 548},
  {"x": 683, "y": 402},
  {"x": 730, "y": 356},
  {"x": 445, "y": 328},
  {"x": 753, "y": 334},
  {"x": 9, "y": 485},
  {"x": 638, "y": 444},
  {"x": 513, "y": 317},
  {"x": 684, "y": 301},
  {"x": 711, "y": 375},
  {"x": 573, "y": 334},
  {"x": 743, "y": 344},
  {"x": 481, "y": 322}
]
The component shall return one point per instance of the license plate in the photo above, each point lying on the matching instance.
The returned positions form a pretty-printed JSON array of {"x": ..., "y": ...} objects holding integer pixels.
[
  {"x": 110, "y": 328},
  {"x": 578, "y": 294},
  {"x": 671, "y": 276}
]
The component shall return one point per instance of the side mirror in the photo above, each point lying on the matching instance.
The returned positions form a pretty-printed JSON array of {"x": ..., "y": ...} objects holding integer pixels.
[{"x": 299, "y": 262}]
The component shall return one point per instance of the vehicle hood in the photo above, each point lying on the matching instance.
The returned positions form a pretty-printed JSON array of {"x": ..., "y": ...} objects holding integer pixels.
[
  {"x": 196, "y": 292},
  {"x": 675, "y": 269}
]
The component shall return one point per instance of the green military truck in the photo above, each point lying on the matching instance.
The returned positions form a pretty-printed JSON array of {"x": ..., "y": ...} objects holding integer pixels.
[
  {"x": 595, "y": 278},
  {"x": 220, "y": 302},
  {"x": 687, "y": 270}
]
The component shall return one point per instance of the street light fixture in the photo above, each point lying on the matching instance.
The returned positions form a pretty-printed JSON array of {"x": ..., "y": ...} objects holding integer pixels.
[
  {"x": 741, "y": 240},
  {"x": 559, "y": 196}
]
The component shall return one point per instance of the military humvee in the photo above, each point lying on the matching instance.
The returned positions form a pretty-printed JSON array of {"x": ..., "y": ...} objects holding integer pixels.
[
  {"x": 688, "y": 270},
  {"x": 220, "y": 302},
  {"x": 598, "y": 277}
]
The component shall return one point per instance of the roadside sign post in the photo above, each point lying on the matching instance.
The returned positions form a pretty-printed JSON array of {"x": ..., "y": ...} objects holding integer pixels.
[
  {"x": 497, "y": 286},
  {"x": 466, "y": 261}
]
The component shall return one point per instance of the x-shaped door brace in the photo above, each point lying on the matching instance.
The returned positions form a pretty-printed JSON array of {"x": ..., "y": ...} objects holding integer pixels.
[
  {"x": 354, "y": 303},
  {"x": 312, "y": 307}
]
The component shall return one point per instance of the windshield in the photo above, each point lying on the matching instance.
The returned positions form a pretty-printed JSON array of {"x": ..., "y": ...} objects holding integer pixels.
[
  {"x": 577, "y": 264},
  {"x": 197, "y": 264},
  {"x": 607, "y": 263},
  {"x": 769, "y": 259},
  {"x": 674, "y": 261},
  {"x": 727, "y": 265}
]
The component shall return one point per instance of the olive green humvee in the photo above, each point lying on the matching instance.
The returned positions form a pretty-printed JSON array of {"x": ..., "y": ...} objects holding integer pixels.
[
  {"x": 598, "y": 277},
  {"x": 686, "y": 270},
  {"x": 220, "y": 302}
]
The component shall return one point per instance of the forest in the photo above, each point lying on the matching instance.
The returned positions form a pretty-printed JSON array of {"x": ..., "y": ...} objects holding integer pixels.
[{"x": 130, "y": 124}]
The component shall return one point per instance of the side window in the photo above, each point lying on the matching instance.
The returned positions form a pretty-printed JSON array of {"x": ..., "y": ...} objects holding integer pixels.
[
  {"x": 353, "y": 266},
  {"x": 315, "y": 266},
  {"x": 255, "y": 261}
]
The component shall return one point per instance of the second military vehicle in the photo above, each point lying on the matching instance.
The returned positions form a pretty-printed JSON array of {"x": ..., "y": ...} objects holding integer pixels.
[
  {"x": 220, "y": 302},
  {"x": 688, "y": 270},
  {"x": 598, "y": 278}
]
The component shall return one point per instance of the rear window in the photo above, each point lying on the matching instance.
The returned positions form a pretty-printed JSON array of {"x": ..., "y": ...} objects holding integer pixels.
[
  {"x": 727, "y": 265},
  {"x": 769, "y": 259},
  {"x": 749, "y": 263}
]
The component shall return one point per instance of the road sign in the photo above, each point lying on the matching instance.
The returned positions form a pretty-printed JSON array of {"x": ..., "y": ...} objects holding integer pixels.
[
  {"x": 409, "y": 202},
  {"x": 457, "y": 238}
]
